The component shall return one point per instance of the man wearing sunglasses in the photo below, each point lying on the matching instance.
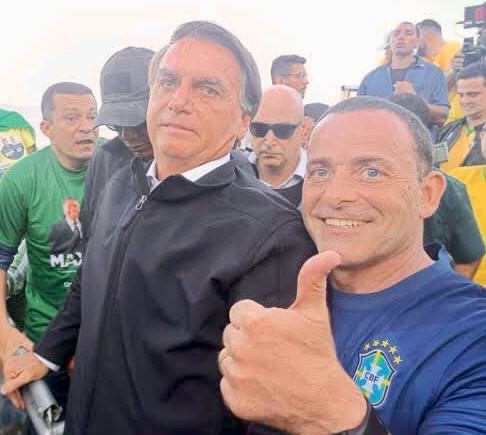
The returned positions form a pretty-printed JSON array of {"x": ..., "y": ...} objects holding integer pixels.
[
  {"x": 289, "y": 70},
  {"x": 276, "y": 136}
]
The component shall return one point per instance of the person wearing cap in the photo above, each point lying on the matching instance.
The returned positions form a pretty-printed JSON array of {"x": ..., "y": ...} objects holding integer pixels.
[
  {"x": 312, "y": 112},
  {"x": 174, "y": 244},
  {"x": 32, "y": 197},
  {"x": 124, "y": 99},
  {"x": 386, "y": 57}
]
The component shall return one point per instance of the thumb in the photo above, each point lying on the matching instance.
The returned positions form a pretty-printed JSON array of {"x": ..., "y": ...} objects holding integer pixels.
[{"x": 311, "y": 284}]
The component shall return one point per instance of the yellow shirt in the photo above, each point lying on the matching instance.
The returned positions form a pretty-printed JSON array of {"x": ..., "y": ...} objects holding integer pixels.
[
  {"x": 15, "y": 144},
  {"x": 443, "y": 60},
  {"x": 460, "y": 149},
  {"x": 444, "y": 57},
  {"x": 474, "y": 177},
  {"x": 455, "y": 112}
]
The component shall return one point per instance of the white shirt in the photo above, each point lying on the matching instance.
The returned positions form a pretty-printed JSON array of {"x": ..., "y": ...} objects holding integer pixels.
[
  {"x": 73, "y": 225},
  {"x": 193, "y": 175}
]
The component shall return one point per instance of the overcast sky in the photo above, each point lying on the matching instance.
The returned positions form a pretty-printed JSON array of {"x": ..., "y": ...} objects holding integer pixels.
[{"x": 47, "y": 41}]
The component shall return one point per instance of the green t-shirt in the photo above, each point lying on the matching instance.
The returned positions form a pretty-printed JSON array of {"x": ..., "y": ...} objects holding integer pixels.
[{"x": 40, "y": 200}]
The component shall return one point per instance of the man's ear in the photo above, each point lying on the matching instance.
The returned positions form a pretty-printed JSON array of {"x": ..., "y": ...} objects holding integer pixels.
[
  {"x": 279, "y": 80},
  {"x": 245, "y": 123},
  {"x": 45, "y": 127},
  {"x": 433, "y": 185}
]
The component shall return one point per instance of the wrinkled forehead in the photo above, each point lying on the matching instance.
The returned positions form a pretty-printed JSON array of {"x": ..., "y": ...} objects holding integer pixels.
[
  {"x": 405, "y": 28},
  {"x": 200, "y": 56},
  {"x": 377, "y": 132}
]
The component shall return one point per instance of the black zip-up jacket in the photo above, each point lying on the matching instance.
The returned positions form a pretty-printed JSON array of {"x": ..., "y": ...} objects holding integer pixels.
[
  {"x": 109, "y": 158},
  {"x": 451, "y": 132},
  {"x": 160, "y": 273}
]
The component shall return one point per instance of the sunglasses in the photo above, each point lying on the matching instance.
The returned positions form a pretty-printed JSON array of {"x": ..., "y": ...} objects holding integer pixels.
[{"x": 281, "y": 131}]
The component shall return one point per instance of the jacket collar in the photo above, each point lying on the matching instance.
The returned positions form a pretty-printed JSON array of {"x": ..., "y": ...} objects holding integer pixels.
[{"x": 178, "y": 187}]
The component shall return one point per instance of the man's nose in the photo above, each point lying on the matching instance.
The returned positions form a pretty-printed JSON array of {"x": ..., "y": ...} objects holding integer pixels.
[
  {"x": 270, "y": 139},
  {"x": 86, "y": 124},
  {"x": 340, "y": 188},
  {"x": 181, "y": 98}
]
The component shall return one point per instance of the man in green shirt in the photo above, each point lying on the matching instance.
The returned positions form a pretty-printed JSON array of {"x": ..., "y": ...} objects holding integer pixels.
[{"x": 33, "y": 198}]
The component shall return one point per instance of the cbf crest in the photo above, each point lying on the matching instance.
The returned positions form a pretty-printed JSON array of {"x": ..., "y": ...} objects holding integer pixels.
[{"x": 376, "y": 369}]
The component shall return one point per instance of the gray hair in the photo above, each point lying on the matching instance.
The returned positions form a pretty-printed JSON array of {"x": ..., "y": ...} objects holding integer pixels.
[
  {"x": 251, "y": 90},
  {"x": 422, "y": 144},
  {"x": 154, "y": 65}
]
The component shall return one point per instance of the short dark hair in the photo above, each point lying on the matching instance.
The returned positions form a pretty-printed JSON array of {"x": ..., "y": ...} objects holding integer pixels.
[
  {"x": 422, "y": 140},
  {"x": 416, "y": 104},
  {"x": 315, "y": 110},
  {"x": 281, "y": 65},
  {"x": 431, "y": 24},
  {"x": 69, "y": 88},
  {"x": 409, "y": 23},
  {"x": 476, "y": 69},
  {"x": 251, "y": 88}
]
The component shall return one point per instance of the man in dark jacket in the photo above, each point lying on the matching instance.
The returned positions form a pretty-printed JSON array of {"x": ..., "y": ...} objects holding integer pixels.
[
  {"x": 124, "y": 95},
  {"x": 173, "y": 247}
]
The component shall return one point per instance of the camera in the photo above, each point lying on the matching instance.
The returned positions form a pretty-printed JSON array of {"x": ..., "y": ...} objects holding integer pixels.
[{"x": 474, "y": 48}]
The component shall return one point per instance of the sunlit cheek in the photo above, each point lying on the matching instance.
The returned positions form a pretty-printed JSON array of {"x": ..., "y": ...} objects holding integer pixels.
[{"x": 310, "y": 200}]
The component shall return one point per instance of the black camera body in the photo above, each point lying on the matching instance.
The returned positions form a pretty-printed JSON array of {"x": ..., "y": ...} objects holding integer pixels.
[
  {"x": 474, "y": 51},
  {"x": 474, "y": 48}
]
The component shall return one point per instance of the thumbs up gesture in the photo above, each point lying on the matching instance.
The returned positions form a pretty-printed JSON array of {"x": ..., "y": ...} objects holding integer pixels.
[{"x": 280, "y": 366}]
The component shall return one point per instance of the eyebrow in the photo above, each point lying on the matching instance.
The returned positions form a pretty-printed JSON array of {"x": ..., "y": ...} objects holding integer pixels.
[
  {"x": 167, "y": 72},
  {"x": 199, "y": 80},
  {"x": 214, "y": 81},
  {"x": 76, "y": 109},
  {"x": 358, "y": 161}
]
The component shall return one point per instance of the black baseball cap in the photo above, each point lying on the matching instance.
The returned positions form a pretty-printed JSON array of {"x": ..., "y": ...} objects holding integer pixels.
[{"x": 124, "y": 88}]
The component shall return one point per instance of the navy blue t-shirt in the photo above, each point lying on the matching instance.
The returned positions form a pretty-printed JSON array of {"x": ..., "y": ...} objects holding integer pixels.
[{"x": 417, "y": 350}]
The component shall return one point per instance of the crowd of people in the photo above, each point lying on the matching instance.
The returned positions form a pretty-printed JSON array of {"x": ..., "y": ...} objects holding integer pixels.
[{"x": 239, "y": 261}]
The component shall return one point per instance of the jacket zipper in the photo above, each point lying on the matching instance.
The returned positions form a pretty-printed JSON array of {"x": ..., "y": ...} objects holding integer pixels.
[{"x": 113, "y": 280}]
